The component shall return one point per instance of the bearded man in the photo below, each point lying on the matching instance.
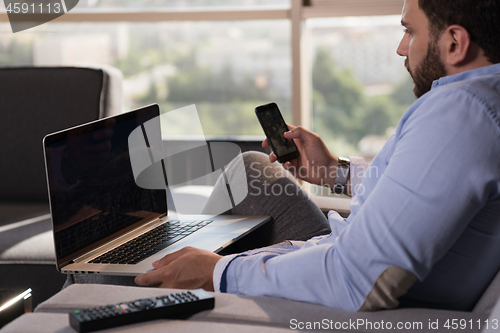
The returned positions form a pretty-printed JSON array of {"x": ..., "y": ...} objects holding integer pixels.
[{"x": 425, "y": 214}]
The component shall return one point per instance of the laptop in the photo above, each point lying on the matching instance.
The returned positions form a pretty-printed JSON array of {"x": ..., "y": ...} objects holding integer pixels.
[{"x": 103, "y": 221}]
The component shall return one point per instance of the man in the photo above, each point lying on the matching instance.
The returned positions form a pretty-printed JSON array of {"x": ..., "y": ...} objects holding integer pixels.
[{"x": 423, "y": 229}]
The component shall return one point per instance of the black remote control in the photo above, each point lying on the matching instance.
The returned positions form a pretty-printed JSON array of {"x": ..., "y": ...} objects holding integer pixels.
[{"x": 168, "y": 306}]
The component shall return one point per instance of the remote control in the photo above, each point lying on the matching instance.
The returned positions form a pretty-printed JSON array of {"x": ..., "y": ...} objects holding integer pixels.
[{"x": 168, "y": 306}]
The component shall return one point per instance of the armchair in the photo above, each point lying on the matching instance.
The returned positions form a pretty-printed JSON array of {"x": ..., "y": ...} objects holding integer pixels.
[{"x": 35, "y": 101}]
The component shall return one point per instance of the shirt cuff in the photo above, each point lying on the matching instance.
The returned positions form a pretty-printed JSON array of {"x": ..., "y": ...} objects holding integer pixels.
[
  {"x": 358, "y": 169},
  {"x": 223, "y": 283},
  {"x": 219, "y": 276}
]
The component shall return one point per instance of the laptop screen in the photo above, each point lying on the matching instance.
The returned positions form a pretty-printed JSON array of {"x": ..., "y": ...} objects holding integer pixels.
[{"x": 92, "y": 188}]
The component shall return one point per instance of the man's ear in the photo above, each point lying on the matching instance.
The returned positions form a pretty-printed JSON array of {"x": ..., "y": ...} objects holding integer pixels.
[{"x": 455, "y": 43}]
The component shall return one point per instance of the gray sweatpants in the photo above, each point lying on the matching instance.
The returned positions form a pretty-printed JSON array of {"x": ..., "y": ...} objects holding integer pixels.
[{"x": 272, "y": 191}]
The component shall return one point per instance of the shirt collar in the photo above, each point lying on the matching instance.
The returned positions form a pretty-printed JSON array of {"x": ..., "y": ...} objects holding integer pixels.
[{"x": 492, "y": 69}]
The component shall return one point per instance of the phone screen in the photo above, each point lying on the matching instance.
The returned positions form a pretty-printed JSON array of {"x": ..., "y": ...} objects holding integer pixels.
[{"x": 274, "y": 127}]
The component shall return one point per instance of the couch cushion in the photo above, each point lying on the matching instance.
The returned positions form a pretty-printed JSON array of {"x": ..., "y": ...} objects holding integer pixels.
[
  {"x": 262, "y": 311},
  {"x": 51, "y": 322},
  {"x": 490, "y": 297},
  {"x": 15, "y": 211},
  {"x": 27, "y": 242},
  {"x": 35, "y": 322}
]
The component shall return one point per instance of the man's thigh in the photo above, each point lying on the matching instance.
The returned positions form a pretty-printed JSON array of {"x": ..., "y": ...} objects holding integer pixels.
[{"x": 275, "y": 192}]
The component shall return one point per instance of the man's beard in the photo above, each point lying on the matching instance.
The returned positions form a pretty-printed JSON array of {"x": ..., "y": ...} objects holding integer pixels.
[{"x": 430, "y": 69}]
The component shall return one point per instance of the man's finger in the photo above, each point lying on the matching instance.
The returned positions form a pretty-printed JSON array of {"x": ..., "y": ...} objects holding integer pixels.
[
  {"x": 153, "y": 278},
  {"x": 169, "y": 258},
  {"x": 265, "y": 143},
  {"x": 295, "y": 133}
]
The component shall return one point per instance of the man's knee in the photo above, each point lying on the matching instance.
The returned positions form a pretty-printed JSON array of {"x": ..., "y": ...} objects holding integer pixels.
[
  {"x": 259, "y": 167},
  {"x": 255, "y": 159}
]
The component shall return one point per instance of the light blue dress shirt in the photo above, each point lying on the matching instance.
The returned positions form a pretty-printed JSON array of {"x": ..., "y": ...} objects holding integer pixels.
[{"x": 428, "y": 204}]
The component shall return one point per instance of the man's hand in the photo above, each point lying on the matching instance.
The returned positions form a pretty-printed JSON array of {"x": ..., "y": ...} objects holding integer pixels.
[
  {"x": 315, "y": 163},
  {"x": 188, "y": 268}
]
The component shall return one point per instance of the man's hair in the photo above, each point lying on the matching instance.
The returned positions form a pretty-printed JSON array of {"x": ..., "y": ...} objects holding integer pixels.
[{"x": 481, "y": 18}]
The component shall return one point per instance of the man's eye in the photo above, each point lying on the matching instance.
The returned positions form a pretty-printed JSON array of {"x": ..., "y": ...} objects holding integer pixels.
[{"x": 407, "y": 31}]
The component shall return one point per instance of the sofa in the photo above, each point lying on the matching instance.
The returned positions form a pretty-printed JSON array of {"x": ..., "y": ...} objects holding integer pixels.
[
  {"x": 35, "y": 101},
  {"x": 237, "y": 313}
]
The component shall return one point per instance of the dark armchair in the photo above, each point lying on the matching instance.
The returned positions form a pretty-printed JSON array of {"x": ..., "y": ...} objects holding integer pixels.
[{"x": 35, "y": 101}]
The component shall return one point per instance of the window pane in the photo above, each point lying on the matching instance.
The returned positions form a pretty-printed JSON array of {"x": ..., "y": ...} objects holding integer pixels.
[
  {"x": 225, "y": 68},
  {"x": 143, "y": 4},
  {"x": 361, "y": 87}
]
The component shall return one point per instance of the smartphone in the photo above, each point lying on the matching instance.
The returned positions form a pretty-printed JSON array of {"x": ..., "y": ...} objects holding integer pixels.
[{"x": 274, "y": 127}]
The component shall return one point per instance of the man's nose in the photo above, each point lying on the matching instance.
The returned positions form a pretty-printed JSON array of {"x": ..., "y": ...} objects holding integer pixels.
[{"x": 402, "y": 49}]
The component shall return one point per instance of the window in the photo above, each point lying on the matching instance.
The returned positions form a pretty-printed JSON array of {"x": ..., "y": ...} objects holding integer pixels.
[
  {"x": 228, "y": 56},
  {"x": 360, "y": 85},
  {"x": 225, "y": 68}
]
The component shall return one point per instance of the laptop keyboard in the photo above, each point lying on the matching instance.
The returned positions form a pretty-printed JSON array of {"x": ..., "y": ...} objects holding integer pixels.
[{"x": 153, "y": 241}]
